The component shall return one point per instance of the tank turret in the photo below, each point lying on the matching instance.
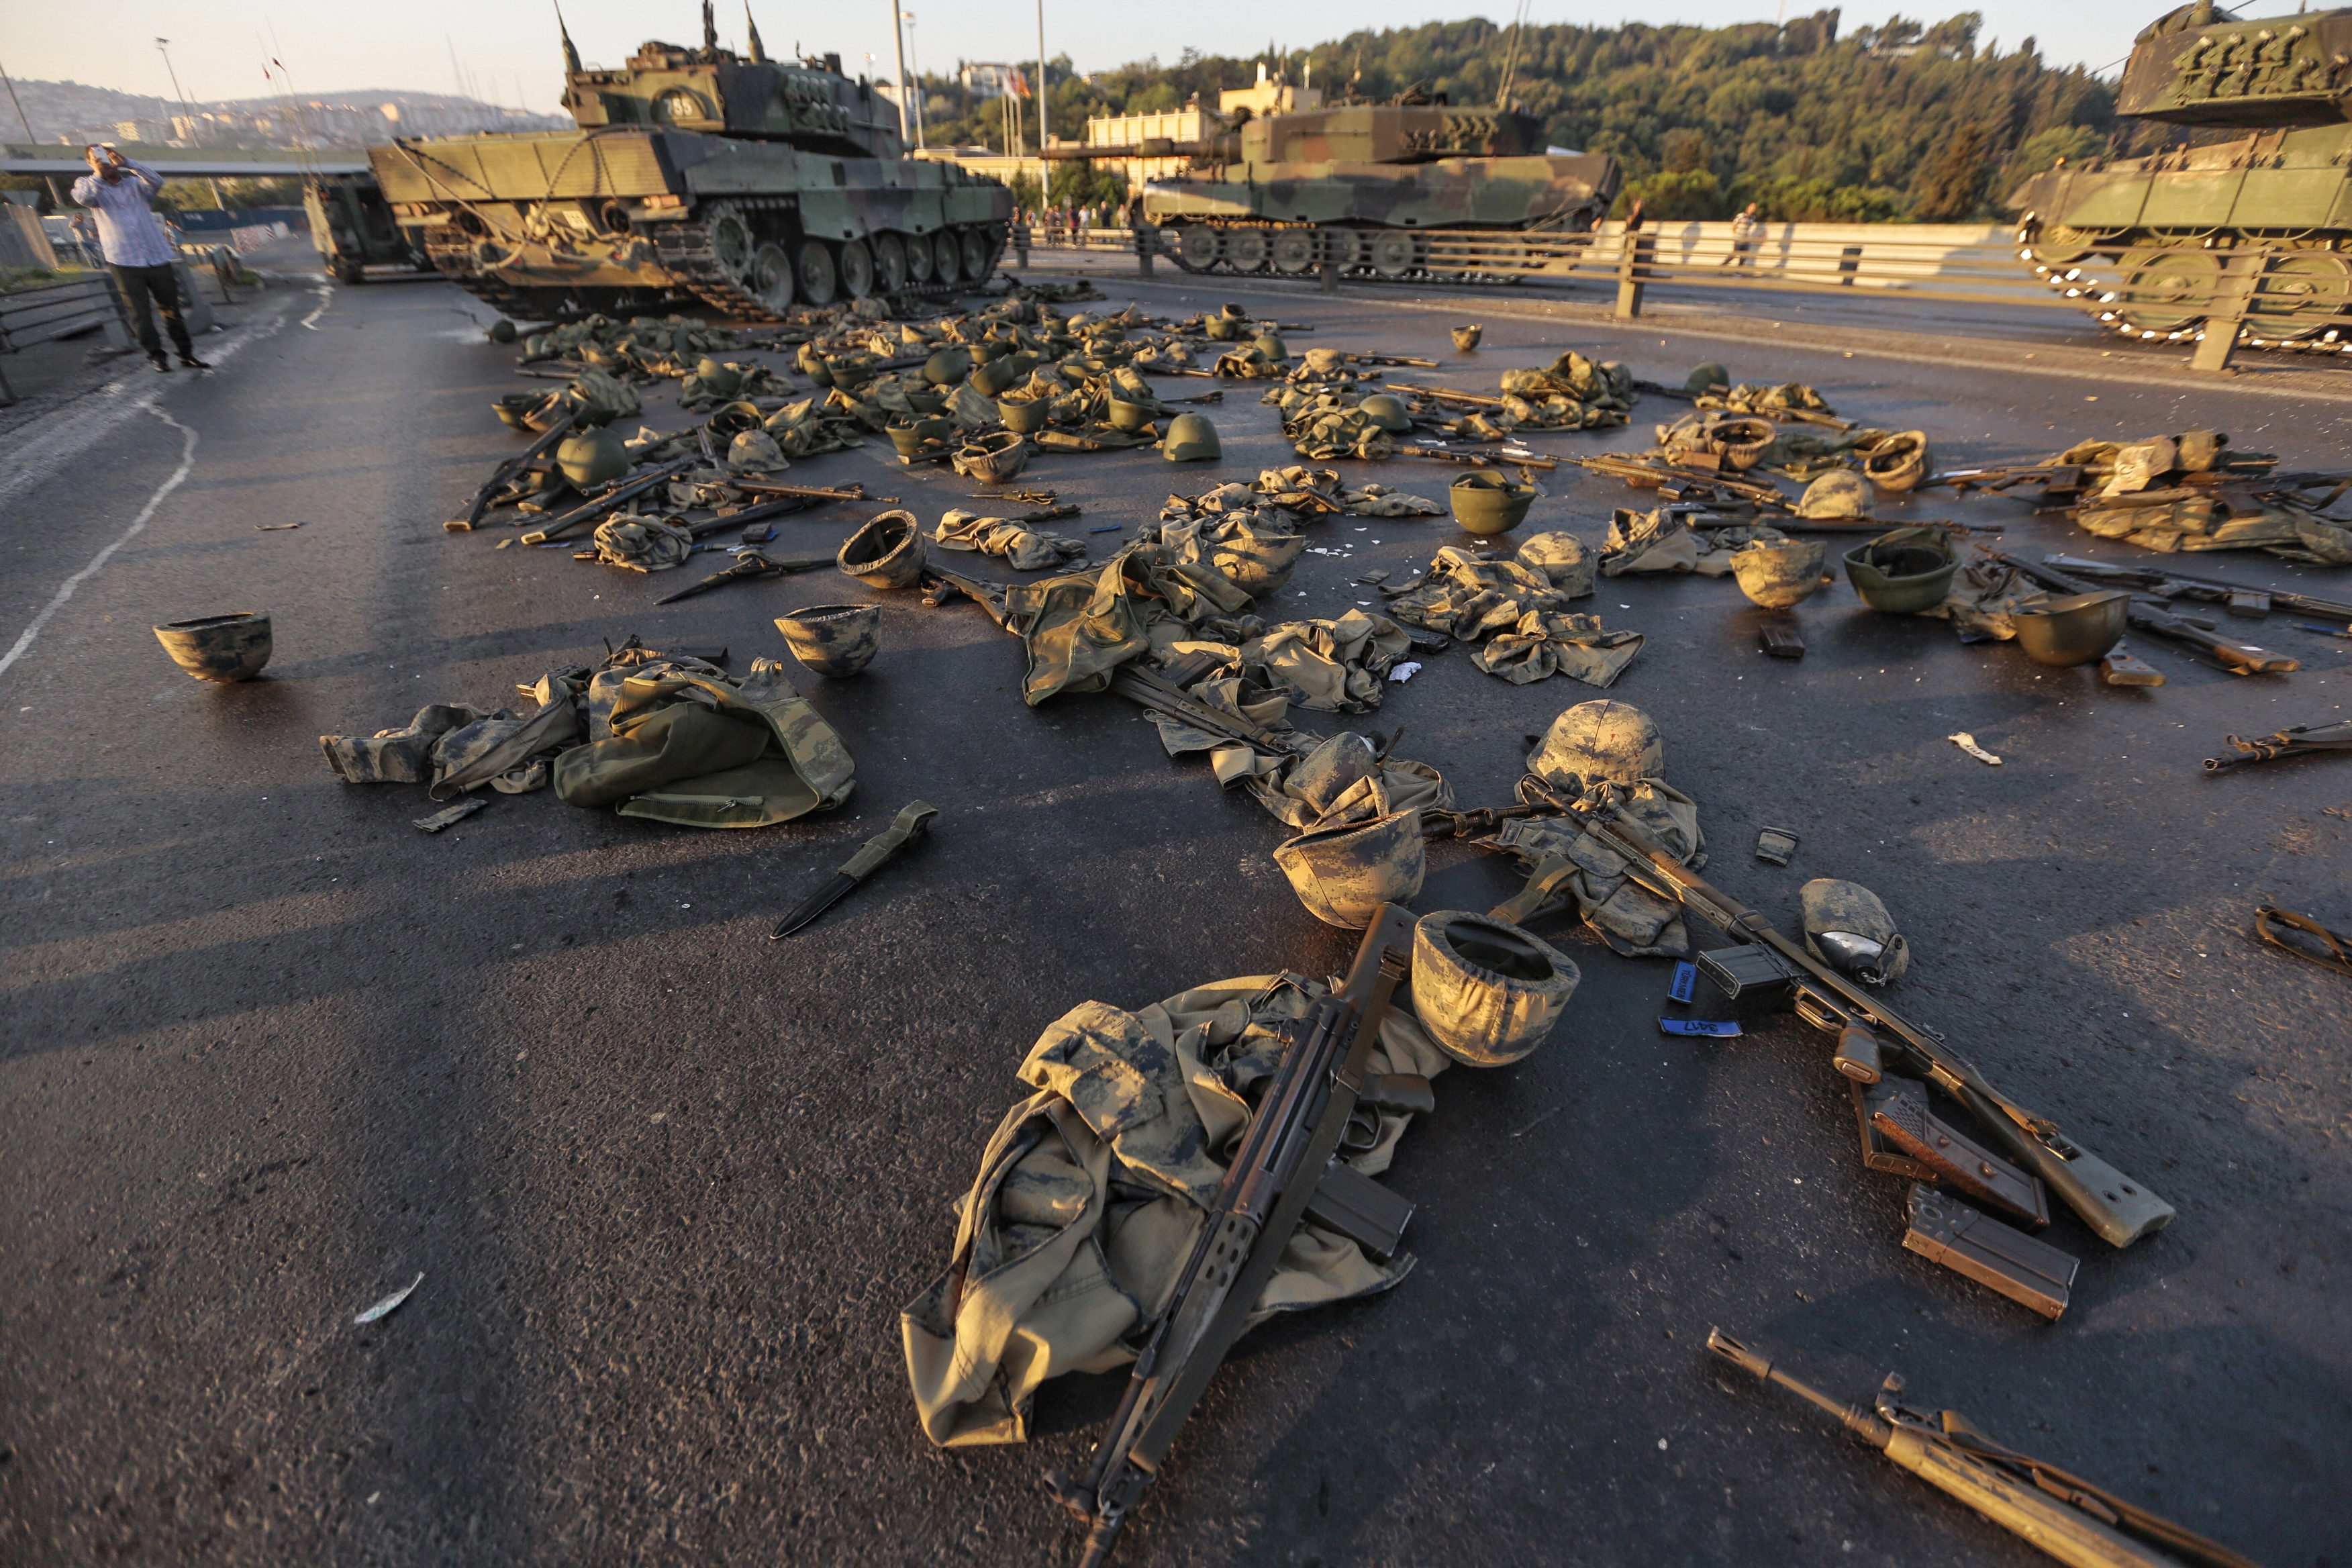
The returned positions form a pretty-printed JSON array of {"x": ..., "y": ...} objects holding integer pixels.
[
  {"x": 720, "y": 93},
  {"x": 2200, "y": 66}
]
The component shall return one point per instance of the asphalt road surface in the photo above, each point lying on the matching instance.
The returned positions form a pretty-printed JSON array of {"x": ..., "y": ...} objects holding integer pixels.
[{"x": 271, "y": 1054}]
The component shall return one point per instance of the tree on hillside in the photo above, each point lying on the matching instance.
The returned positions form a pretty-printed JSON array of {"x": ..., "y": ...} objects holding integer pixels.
[
  {"x": 1952, "y": 180},
  {"x": 1796, "y": 116}
]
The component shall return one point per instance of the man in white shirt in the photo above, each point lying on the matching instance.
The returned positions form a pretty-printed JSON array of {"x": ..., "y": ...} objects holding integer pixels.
[
  {"x": 136, "y": 248},
  {"x": 1746, "y": 230}
]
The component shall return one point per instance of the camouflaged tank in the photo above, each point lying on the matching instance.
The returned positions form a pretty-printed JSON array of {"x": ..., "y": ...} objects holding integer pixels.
[
  {"x": 353, "y": 229},
  {"x": 753, "y": 183},
  {"x": 2141, "y": 242},
  {"x": 1391, "y": 190}
]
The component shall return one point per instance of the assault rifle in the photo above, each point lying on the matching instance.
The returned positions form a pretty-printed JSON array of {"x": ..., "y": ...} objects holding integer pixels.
[
  {"x": 2235, "y": 598},
  {"x": 1284, "y": 1167},
  {"x": 2063, "y": 1514},
  {"x": 1871, "y": 1036}
]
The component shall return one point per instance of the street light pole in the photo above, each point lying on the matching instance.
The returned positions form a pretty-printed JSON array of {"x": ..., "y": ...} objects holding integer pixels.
[
  {"x": 163, "y": 47},
  {"x": 1041, "y": 76},
  {"x": 899, "y": 46},
  {"x": 920, "y": 136}
]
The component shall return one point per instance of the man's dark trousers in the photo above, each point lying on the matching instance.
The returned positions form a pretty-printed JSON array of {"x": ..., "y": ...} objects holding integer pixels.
[{"x": 138, "y": 284}]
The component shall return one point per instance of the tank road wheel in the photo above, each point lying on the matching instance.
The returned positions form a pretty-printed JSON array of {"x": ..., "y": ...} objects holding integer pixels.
[
  {"x": 772, "y": 278},
  {"x": 2166, "y": 291},
  {"x": 1391, "y": 252},
  {"x": 1246, "y": 249},
  {"x": 1344, "y": 246},
  {"x": 889, "y": 263},
  {"x": 974, "y": 250},
  {"x": 919, "y": 259},
  {"x": 1197, "y": 247},
  {"x": 947, "y": 257},
  {"x": 2300, "y": 294},
  {"x": 1292, "y": 249},
  {"x": 731, "y": 243},
  {"x": 818, "y": 279},
  {"x": 857, "y": 268}
]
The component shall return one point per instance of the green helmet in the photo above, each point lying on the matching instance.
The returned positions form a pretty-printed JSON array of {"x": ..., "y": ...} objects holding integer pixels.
[
  {"x": 593, "y": 456},
  {"x": 947, "y": 367},
  {"x": 1388, "y": 411},
  {"x": 1271, "y": 345},
  {"x": 1191, "y": 439},
  {"x": 502, "y": 330}
]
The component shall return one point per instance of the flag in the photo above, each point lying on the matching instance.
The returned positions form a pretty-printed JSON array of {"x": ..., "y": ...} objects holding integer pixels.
[{"x": 1017, "y": 85}]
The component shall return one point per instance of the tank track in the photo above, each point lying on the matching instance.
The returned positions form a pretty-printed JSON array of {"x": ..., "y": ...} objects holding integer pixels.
[
  {"x": 687, "y": 253},
  {"x": 2093, "y": 277},
  {"x": 1553, "y": 244}
]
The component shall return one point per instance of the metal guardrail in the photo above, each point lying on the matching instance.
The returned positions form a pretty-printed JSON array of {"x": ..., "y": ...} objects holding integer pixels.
[
  {"x": 2260, "y": 296},
  {"x": 54, "y": 311}
]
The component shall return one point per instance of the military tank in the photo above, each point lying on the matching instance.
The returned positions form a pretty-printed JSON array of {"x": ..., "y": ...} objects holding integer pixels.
[
  {"x": 2142, "y": 243},
  {"x": 1392, "y": 190},
  {"x": 748, "y": 182}
]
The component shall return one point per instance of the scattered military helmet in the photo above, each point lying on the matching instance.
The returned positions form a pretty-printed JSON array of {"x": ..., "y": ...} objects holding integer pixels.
[
  {"x": 887, "y": 553},
  {"x": 2074, "y": 629},
  {"x": 1839, "y": 493},
  {"x": 502, "y": 330},
  {"x": 947, "y": 366},
  {"x": 1343, "y": 875},
  {"x": 1191, "y": 439},
  {"x": 593, "y": 456},
  {"x": 1897, "y": 462},
  {"x": 1705, "y": 379},
  {"x": 813, "y": 365},
  {"x": 1904, "y": 572},
  {"x": 1562, "y": 558},
  {"x": 834, "y": 640},
  {"x": 1848, "y": 928},
  {"x": 1466, "y": 338},
  {"x": 755, "y": 451},
  {"x": 1600, "y": 742},
  {"x": 1388, "y": 411},
  {"x": 992, "y": 458},
  {"x": 1778, "y": 573},
  {"x": 1271, "y": 345},
  {"x": 1486, "y": 992}
]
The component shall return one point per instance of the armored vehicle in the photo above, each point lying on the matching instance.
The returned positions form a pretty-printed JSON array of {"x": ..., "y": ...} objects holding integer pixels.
[
  {"x": 352, "y": 227},
  {"x": 2144, "y": 244},
  {"x": 1393, "y": 190},
  {"x": 750, "y": 182}
]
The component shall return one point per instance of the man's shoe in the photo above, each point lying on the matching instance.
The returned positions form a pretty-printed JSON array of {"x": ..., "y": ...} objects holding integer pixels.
[
  {"x": 162, "y": 366},
  {"x": 192, "y": 363}
]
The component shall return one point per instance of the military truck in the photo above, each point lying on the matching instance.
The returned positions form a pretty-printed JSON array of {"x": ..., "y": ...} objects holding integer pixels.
[
  {"x": 748, "y": 182},
  {"x": 2143, "y": 244},
  {"x": 1414, "y": 188},
  {"x": 352, "y": 227}
]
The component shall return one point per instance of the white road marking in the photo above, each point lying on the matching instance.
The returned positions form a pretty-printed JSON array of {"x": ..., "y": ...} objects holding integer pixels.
[
  {"x": 326, "y": 298},
  {"x": 179, "y": 476}
]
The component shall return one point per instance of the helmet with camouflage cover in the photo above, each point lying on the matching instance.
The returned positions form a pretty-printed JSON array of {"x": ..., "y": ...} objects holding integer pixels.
[
  {"x": 1847, "y": 928},
  {"x": 1344, "y": 873},
  {"x": 1488, "y": 992},
  {"x": 1600, "y": 742}
]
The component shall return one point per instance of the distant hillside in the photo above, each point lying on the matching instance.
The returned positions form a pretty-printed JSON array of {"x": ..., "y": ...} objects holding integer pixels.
[
  {"x": 1905, "y": 120},
  {"x": 71, "y": 112}
]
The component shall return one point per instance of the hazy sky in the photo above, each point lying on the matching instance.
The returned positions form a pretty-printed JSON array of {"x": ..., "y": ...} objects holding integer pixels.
[{"x": 508, "y": 52}]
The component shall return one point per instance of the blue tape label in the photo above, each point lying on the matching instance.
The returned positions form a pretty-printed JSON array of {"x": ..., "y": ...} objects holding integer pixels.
[
  {"x": 1685, "y": 982},
  {"x": 1722, "y": 1030}
]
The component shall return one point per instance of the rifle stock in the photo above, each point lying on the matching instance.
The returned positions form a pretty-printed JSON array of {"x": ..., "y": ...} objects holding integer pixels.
[{"x": 2118, "y": 1208}]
